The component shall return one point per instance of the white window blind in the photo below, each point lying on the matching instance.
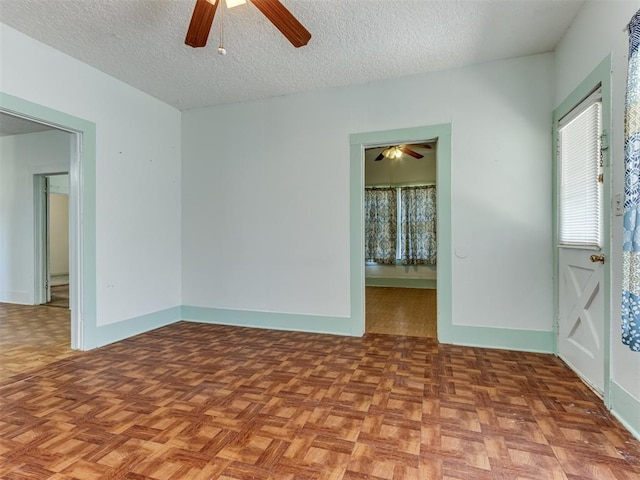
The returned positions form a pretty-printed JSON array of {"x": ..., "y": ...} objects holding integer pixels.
[{"x": 581, "y": 181}]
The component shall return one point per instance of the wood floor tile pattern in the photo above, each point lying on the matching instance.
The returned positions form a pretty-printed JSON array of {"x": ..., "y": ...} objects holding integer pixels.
[
  {"x": 59, "y": 296},
  {"x": 32, "y": 337},
  {"x": 198, "y": 401},
  {"x": 401, "y": 311}
]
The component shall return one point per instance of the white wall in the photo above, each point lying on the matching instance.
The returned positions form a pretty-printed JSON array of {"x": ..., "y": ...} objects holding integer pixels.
[
  {"x": 596, "y": 33},
  {"x": 137, "y": 173},
  {"x": 266, "y": 214},
  {"x": 21, "y": 157}
]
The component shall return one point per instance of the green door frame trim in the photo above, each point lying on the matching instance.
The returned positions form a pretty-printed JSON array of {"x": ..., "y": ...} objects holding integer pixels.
[
  {"x": 448, "y": 332},
  {"x": 82, "y": 185},
  {"x": 82, "y": 178},
  {"x": 359, "y": 141},
  {"x": 599, "y": 77}
]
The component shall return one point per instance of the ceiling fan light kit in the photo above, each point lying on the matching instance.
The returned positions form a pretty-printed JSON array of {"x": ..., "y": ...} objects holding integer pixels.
[
  {"x": 396, "y": 151},
  {"x": 204, "y": 12},
  {"x": 392, "y": 152},
  {"x": 233, "y": 3}
]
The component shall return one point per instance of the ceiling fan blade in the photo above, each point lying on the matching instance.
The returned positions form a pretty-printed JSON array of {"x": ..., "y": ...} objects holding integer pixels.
[
  {"x": 284, "y": 21},
  {"x": 201, "y": 22},
  {"x": 408, "y": 151},
  {"x": 379, "y": 157}
]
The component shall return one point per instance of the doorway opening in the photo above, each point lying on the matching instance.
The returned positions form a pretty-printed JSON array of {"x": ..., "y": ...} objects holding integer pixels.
[
  {"x": 439, "y": 134},
  {"x": 37, "y": 152},
  {"x": 400, "y": 211},
  {"x": 51, "y": 202},
  {"x": 582, "y": 293}
]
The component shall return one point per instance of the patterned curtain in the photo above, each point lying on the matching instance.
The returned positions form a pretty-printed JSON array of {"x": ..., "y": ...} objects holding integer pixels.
[
  {"x": 631, "y": 234},
  {"x": 418, "y": 227},
  {"x": 380, "y": 207}
]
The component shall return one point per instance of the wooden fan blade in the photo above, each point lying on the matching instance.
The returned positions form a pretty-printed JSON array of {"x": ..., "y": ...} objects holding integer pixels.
[
  {"x": 284, "y": 21},
  {"x": 201, "y": 22},
  {"x": 408, "y": 151},
  {"x": 379, "y": 157}
]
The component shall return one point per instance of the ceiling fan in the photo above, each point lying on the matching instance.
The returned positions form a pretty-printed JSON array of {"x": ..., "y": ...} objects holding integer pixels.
[
  {"x": 283, "y": 19},
  {"x": 396, "y": 151}
]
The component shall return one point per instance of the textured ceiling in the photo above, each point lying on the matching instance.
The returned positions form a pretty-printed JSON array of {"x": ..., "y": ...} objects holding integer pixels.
[{"x": 141, "y": 42}]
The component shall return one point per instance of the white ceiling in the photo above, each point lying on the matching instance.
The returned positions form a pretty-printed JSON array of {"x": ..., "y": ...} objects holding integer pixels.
[
  {"x": 12, "y": 125},
  {"x": 141, "y": 42}
]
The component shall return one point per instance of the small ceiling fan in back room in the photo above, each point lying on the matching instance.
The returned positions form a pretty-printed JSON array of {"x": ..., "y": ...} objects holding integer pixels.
[
  {"x": 205, "y": 10},
  {"x": 396, "y": 151}
]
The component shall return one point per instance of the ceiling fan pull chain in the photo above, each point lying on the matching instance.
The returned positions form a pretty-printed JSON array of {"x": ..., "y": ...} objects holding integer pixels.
[{"x": 221, "y": 50}]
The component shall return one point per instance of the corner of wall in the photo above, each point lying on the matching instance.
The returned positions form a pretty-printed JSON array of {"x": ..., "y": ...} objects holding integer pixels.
[
  {"x": 99, "y": 336},
  {"x": 626, "y": 408}
]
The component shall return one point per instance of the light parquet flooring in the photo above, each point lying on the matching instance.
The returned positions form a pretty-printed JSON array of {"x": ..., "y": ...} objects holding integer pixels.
[
  {"x": 59, "y": 296},
  {"x": 32, "y": 337},
  {"x": 401, "y": 311},
  {"x": 199, "y": 401}
]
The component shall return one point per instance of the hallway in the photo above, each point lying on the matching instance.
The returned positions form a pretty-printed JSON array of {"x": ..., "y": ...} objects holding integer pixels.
[{"x": 401, "y": 311}]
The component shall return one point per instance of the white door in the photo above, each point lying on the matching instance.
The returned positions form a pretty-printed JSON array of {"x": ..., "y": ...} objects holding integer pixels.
[
  {"x": 581, "y": 304},
  {"x": 581, "y": 322},
  {"x": 47, "y": 228},
  {"x": 42, "y": 288}
]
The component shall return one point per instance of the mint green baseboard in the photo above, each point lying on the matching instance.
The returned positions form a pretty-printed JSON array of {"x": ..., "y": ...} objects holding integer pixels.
[
  {"x": 275, "y": 321},
  {"x": 521, "y": 340},
  {"x": 625, "y": 408},
  {"x": 502, "y": 338},
  {"x": 103, "y": 335},
  {"x": 400, "y": 282}
]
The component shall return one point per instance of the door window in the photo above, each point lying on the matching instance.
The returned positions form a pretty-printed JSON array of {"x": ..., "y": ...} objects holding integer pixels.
[{"x": 579, "y": 141}]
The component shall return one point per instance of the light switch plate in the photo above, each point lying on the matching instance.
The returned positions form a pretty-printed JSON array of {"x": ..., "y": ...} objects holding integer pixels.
[{"x": 618, "y": 204}]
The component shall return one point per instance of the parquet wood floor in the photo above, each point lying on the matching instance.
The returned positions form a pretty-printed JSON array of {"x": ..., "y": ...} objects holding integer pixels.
[
  {"x": 32, "y": 336},
  {"x": 401, "y": 311},
  {"x": 199, "y": 401},
  {"x": 59, "y": 296}
]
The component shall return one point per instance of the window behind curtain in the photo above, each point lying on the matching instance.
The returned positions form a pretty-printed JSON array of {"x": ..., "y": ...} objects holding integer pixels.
[
  {"x": 404, "y": 213},
  {"x": 380, "y": 205},
  {"x": 418, "y": 240}
]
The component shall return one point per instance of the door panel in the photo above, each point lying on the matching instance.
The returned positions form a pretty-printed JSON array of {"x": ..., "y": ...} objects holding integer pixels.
[
  {"x": 47, "y": 226},
  {"x": 581, "y": 314},
  {"x": 581, "y": 236}
]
